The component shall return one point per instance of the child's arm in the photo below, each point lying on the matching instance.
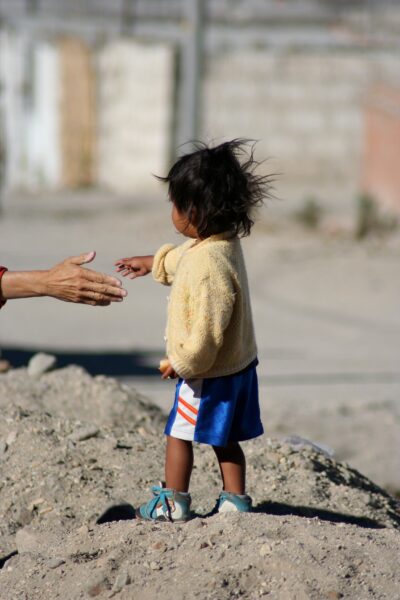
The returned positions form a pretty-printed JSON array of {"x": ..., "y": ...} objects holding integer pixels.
[
  {"x": 136, "y": 266},
  {"x": 163, "y": 264},
  {"x": 166, "y": 262}
]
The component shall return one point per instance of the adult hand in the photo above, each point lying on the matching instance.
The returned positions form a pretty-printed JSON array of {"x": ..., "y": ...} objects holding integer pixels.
[{"x": 70, "y": 282}]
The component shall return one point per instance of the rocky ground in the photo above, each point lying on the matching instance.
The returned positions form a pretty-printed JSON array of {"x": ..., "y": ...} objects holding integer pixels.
[{"x": 72, "y": 445}]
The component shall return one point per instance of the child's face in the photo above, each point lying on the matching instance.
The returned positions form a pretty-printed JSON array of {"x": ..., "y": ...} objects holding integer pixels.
[{"x": 182, "y": 223}]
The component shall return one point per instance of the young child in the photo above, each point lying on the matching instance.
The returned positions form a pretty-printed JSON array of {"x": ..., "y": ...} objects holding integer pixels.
[{"x": 210, "y": 337}]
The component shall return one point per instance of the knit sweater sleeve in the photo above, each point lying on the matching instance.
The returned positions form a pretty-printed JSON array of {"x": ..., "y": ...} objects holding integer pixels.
[
  {"x": 165, "y": 263},
  {"x": 211, "y": 305}
]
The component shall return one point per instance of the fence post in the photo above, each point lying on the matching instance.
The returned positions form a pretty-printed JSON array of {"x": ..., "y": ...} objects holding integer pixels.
[{"x": 190, "y": 73}]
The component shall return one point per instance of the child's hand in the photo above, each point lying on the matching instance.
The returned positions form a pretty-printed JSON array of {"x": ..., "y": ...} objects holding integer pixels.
[
  {"x": 136, "y": 266},
  {"x": 167, "y": 369}
]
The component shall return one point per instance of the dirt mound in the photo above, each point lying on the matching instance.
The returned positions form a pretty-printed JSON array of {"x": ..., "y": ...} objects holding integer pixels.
[
  {"x": 320, "y": 529},
  {"x": 73, "y": 393}
]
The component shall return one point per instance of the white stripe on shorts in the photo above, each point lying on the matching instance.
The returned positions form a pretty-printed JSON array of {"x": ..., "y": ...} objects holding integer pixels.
[{"x": 189, "y": 398}]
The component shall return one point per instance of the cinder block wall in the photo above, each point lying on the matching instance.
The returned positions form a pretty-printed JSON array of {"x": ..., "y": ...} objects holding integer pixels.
[
  {"x": 305, "y": 108},
  {"x": 135, "y": 110}
]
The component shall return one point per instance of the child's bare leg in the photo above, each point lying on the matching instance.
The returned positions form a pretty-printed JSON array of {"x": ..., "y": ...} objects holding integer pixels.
[
  {"x": 232, "y": 463},
  {"x": 178, "y": 464}
]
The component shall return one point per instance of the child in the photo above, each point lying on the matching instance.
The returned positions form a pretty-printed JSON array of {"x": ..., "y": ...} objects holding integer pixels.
[{"x": 210, "y": 337}]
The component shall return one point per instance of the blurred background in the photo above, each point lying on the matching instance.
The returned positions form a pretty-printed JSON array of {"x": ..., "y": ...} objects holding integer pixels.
[
  {"x": 102, "y": 93},
  {"x": 97, "y": 96}
]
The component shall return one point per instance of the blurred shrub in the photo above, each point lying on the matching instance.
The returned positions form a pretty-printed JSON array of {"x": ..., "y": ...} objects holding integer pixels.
[
  {"x": 310, "y": 213},
  {"x": 369, "y": 219}
]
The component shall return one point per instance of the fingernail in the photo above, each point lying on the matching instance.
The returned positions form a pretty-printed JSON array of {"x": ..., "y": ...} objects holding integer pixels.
[{"x": 124, "y": 293}]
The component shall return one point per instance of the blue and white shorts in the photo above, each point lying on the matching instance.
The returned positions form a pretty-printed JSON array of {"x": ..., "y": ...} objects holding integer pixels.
[{"x": 217, "y": 410}]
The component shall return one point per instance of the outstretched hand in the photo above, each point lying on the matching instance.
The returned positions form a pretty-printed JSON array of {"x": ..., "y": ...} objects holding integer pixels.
[
  {"x": 135, "y": 266},
  {"x": 70, "y": 282}
]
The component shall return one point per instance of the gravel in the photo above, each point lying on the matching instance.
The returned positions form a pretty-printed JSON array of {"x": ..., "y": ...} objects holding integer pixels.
[{"x": 73, "y": 446}]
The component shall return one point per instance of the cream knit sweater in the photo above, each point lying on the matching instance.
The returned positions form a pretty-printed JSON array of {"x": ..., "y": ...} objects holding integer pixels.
[{"x": 210, "y": 328}]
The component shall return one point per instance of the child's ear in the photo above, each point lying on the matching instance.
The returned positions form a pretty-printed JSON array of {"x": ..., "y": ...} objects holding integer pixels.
[{"x": 192, "y": 216}]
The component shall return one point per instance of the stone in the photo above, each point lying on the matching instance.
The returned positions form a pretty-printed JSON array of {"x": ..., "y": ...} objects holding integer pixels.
[
  {"x": 26, "y": 541},
  {"x": 121, "y": 581},
  {"x": 53, "y": 563},
  {"x": 97, "y": 585},
  {"x": 84, "y": 433},
  {"x": 265, "y": 550},
  {"x": 41, "y": 363},
  {"x": 12, "y": 436}
]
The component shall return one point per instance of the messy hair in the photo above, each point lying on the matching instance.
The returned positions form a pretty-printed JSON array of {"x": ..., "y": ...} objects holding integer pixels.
[{"x": 217, "y": 189}]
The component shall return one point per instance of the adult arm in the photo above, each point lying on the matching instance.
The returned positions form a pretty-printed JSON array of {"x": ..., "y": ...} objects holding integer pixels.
[{"x": 67, "y": 281}]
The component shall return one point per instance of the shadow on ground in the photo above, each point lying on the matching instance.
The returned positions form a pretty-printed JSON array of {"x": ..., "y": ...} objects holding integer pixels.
[
  {"x": 114, "y": 364},
  {"x": 126, "y": 511},
  {"x": 278, "y": 508}
]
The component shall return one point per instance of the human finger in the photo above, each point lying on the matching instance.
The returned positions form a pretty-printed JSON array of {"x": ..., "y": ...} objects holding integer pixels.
[
  {"x": 97, "y": 298},
  {"x": 121, "y": 260},
  {"x": 100, "y": 292},
  {"x": 125, "y": 272},
  {"x": 136, "y": 273},
  {"x": 82, "y": 259},
  {"x": 169, "y": 373},
  {"x": 103, "y": 278}
]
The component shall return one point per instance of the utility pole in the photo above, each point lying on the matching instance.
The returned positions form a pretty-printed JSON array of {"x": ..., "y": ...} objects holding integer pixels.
[{"x": 190, "y": 73}]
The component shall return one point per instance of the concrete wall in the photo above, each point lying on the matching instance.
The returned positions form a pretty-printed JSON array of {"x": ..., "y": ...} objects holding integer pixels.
[
  {"x": 135, "y": 110},
  {"x": 304, "y": 109},
  {"x": 29, "y": 76}
]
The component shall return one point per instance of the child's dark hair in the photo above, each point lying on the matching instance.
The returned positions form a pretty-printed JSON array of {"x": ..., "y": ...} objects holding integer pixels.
[{"x": 217, "y": 189}]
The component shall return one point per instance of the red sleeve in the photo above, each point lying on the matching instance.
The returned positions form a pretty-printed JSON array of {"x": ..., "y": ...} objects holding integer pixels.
[{"x": 2, "y": 271}]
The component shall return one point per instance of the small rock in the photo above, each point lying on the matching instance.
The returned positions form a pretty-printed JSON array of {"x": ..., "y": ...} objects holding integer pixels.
[
  {"x": 159, "y": 546},
  {"x": 53, "y": 563},
  {"x": 12, "y": 436},
  {"x": 26, "y": 541},
  {"x": 3, "y": 448},
  {"x": 204, "y": 545},
  {"x": 35, "y": 503},
  {"x": 265, "y": 549},
  {"x": 97, "y": 585},
  {"x": 24, "y": 516},
  {"x": 41, "y": 363},
  {"x": 84, "y": 433},
  {"x": 155, "y": 566},
  {"x": 121, "y": 581}
]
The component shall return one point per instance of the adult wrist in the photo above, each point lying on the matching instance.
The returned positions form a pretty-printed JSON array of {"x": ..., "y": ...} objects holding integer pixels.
[{"x": 41, "y": 283}]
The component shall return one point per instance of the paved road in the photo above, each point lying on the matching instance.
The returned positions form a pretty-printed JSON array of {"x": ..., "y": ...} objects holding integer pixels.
[{"x": 326, "y": 311}]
